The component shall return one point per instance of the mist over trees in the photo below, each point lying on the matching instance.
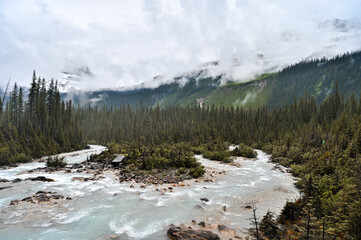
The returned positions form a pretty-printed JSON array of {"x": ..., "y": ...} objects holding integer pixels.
[{"x": 320, "y": 142}]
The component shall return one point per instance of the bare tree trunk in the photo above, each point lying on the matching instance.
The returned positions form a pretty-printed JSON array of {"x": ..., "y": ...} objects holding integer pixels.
[
  {"x": 308, "y": 224},
  {"x": 255, "y": 221}
]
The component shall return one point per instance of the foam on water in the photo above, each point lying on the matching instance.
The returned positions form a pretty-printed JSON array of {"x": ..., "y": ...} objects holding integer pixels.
[{"x": 106, "y": 206}]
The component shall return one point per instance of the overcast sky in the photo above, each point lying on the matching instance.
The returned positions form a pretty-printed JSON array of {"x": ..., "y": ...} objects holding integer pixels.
[{"x": 124, "y": 43}]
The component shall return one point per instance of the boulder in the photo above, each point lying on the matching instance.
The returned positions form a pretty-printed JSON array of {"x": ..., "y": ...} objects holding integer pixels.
[
  {"x": 202, "y": 224},
  {"x": 205, "y": 199},
  {"x": 198, "y": 207},
  {"x": 16, "y": 180},
  {"x": 57, "y": 196},
  {"x": 225, "y": 229},
  {"x": 27, "y": 199},
  {"x": 14, "y": 202},
  {"x": 76, "y": 165},
  {"x": 181, "y": 233},
  {"x": 41, "y": 178},
  {"x": 4, "y": 180},
  {"x": 40, "y": 192},
  {"x": 82, "y": 179}
]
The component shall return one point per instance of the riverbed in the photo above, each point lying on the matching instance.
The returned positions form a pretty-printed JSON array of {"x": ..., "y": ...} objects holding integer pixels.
[{"x": 105, "y": 208}]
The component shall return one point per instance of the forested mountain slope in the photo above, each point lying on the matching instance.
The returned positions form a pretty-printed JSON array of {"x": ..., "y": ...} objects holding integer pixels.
[{"x": 316, "y": 77}]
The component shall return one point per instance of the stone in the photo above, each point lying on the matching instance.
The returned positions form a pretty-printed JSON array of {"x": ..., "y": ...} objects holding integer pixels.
[
  {"x": 16, "y": 180},
  {"x": 198, "y": 207},
  {"x": 14, "y": 202},
  {"x": 248, "y": 207},
  {"x": 4, "y": 180},
  {"x": 76, "y": 165},
  {"x": 40, "y": 192},
  {"x": 82, "y": 179},
  {"x": 205, "y": 199},
  {"x": 27, "y": 199},
  {"x": 225, "y": 229},
  {"x": 41, "y": 178},
  {"x": 224, "y": 208},
  {"x": 43, "y": 199},
  {"x": 57, "y": 196},
  {"x": 202, "y": 224},
  {"x": 181, "y": 233},
  {"x": 1, "y": 188}
]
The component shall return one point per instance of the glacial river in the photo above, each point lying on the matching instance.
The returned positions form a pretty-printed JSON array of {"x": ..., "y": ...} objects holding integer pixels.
[{"x": 105, "y": 208}]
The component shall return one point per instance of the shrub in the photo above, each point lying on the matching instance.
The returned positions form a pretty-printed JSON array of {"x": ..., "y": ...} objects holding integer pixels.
[
  {"x": 244, "y": 151},
  {"x": 197, "y": 172},
  {"x": 223, "y": 156},
  {"x": 21, "y": 158},
  {"x": 182, "y": 170},
  {"x": 114, "y": 147},
  {"x": 56, "y": 162},
  {"x": 268, "y": 226},
  {"x": 104, "y": 156}
]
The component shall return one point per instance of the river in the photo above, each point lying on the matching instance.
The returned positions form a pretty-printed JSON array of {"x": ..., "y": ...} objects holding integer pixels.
[{"x": 104, "y": 208}]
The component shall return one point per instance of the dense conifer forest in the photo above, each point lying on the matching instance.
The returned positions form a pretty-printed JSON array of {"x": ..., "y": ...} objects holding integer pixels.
[
  {"x": 38, "y": 124},
  {"x": 321, "y": 143}
]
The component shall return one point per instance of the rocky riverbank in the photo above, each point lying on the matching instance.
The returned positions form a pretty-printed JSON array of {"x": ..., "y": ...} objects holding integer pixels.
[{"x": 41, "y": 197}]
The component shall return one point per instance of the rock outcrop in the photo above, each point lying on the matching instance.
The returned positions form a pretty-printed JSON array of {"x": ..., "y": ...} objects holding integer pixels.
[{"x": 183, "y": 233}]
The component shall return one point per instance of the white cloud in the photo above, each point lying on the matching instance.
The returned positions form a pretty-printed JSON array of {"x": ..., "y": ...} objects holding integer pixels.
[{"x": 128, "y": 42}]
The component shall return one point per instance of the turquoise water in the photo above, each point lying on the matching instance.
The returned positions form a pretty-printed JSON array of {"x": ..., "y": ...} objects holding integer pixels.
[{"x": 106, "y": 207}]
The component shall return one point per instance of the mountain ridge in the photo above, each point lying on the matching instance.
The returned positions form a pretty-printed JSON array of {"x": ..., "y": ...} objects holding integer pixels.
[{"x": 315, "y": 77}]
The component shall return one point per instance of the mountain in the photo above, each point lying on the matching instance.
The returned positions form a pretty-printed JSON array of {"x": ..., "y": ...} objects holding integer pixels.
[
  {"x": 314, "y": 77},
  {"x": 183, "y": 90}
]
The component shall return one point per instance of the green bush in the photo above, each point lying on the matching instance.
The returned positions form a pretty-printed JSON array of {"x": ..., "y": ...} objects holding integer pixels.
[
  {"x": 56, "y": 162},
  {"x": 223, "y": 156},
  {"x": 21, "y": 158},
  {"x": 114, "y": 148},
  {"x": 104, "y": 156},
  {"x": 197, "y": 172},
  {"x": 182, "y": 170},
  {"x": 244, "y": 151}
]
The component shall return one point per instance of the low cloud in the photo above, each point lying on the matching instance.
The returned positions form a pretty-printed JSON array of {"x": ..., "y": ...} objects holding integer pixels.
[{"x": 118, "y": 44}]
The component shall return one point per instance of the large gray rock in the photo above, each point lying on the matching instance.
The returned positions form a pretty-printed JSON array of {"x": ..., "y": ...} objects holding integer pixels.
[
  {"x": 181, "y": 233},
  {"x": 76, "y": 165}
]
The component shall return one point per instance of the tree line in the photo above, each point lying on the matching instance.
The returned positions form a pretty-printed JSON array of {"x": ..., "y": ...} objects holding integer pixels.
[{"x": 37, "y": 124}]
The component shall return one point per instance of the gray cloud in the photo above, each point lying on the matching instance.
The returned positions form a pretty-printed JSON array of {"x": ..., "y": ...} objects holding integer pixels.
[{"x": 124, "y": 43}]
